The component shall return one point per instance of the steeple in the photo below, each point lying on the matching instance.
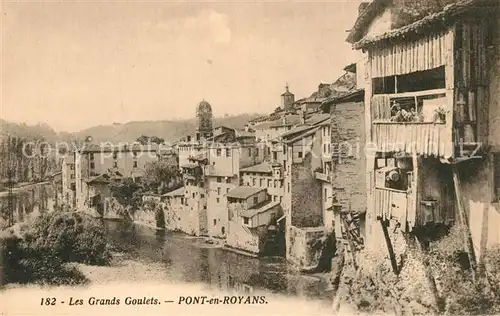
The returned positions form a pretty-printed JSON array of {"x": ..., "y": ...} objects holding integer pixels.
[{"x": 287, "y": 98}]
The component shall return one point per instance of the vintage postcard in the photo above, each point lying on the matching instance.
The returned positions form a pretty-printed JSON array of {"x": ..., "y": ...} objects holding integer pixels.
[{"x": 336, "y": 157}]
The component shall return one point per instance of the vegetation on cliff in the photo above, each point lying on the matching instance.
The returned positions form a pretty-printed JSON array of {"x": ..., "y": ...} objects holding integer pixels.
[
  {"x": 40, "y": 253},
  {"x": 431, "y": 282}
]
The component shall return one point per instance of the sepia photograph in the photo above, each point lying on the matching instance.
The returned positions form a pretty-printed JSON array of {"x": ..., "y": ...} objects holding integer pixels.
[{"x": 203, "y": 157}]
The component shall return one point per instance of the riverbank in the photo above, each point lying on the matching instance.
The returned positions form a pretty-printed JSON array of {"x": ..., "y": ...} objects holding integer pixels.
[{"x": 24, "y": 186}]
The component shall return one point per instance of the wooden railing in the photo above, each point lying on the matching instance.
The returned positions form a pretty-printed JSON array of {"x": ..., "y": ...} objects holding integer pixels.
[
  {"x": 392, "y": 204},
  {"x": 432, "y": 139},
  {"x": 322, "y": 176}
]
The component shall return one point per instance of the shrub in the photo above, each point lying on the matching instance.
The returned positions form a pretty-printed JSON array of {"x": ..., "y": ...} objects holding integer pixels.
[
  {"x": 22, "y": 264},
  {"x": 160, "y": 217},
  {"x": 71, "y": 236}
]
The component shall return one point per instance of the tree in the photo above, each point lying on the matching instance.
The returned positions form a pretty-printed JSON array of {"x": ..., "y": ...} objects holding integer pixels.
[
  {"x": 126, "y": 193},
  {"x": 159, "y": 174},
  {"x": 144, "y": 140}
]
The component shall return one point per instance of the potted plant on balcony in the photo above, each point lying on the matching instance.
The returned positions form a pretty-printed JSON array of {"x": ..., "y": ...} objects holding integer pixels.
[{"x": 440, "y": 116}]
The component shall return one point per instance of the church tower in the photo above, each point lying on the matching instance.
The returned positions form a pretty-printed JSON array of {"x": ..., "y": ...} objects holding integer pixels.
[
  {"x": 287, "y": 99},
  {"x": 204, "y": 128}
]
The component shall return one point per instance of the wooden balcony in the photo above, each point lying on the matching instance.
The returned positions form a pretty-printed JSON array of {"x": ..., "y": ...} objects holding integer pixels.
[
  {"x": 392, "y": 204},
  {"x": 429, "y": 139},
  {"x": 419, "y": 134},
  {"x": 322, "y": 176}
]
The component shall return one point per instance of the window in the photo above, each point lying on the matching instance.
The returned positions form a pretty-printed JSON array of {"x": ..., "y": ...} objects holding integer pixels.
[
  {"x": 299, "y": 154},
  {"x": 496, "y": 176},
  {"x": 72, "y": 167},
  {"x": 135, "y": 164},
  {"x": 228, "y": 180},
  {"x": 326, "y": 195},
  {"x": 91, "y": 156},
  {"x": 281, "y": 199},
  {"x": 218, "y": 191},
  {"x": 134, "y": 153},
  {"x": 261, "y": 182},
  {"x": 223, "y": 230},
  {"x": 284, "y": 150},
  {"x": 250, "y": 152},
  {"x": 275, "y": 198},
  {"x": 275, "y": 155},
  {"x": 72, "y": 176},
  {"x": 115, "y": 164},
  {"x": 193, "y": 195},
  {"x": 288, "y": 187},
  {"x": 92, "y": 165},
  {"x": 115, "y": 155},
  {"x": 202, "y": 196},
  {"x": 219, "y": 179},
  {"x": 218, "y": 200},
  {"x": 268, "y": 150},
  {"x": 215, "y": 221},
  {"x": 219, "y": 152},
  {"x": 254, "y": 181},
  {"x": 227, "y": 190},
  {"x": 205, "y": 207},
  {"x": 182, "y": 200},
  {"x": 228, "y": 152},
  {"x": 246, "y": 220},
  {"x": 269, "y": 183},
  {"x": 255, "y": 199}
]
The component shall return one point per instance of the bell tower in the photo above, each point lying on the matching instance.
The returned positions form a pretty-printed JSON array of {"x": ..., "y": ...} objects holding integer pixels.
[{"x": 287, "y": 99}]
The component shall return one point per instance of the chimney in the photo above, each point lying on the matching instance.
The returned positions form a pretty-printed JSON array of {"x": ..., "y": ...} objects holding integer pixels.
[
  {"x": 362, "y": 7},
  {"x": 246, "y": 127},
  {"x": 303, "y": 117}
]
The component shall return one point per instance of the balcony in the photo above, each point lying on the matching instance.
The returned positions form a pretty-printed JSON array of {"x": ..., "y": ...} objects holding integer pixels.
[
  {"x": 392, "y": 204},
  {"x": 319, "y": 175},
  {"x": 413, "y": 122}
]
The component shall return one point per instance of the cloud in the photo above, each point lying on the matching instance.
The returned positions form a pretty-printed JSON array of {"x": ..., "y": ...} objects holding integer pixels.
[{"x": 216, "y": 23}]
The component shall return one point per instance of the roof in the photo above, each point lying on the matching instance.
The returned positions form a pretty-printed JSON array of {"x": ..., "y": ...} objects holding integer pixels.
[
  {"x": 287, "y": 120},
  {"x": 176, "y": 192},
  {"x": 243, "y": 192},
  {"x": 302, "y": 135},
  {"x": 317, "y": 118},
  {"x": 296, "y": 130},
  {"x": 190, "y": 166},
  {"x": 264, "y": 167},
  {"x": 357, "y": 95},
  {"x": 251, "y": 212},
  {"x": 350, "y": 68},
  {"x": 365, "y": 18},
  {"x": 102, "y": 178},
  {"x": 109, "y": 147},
  {"x": 243, "y": 133},
  {"x": 427, "y": 23}
]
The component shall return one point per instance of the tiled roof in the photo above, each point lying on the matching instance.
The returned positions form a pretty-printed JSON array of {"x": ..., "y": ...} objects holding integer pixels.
[
  {"x": 102, "y": 178},
  {"x": 296, "y": 130},
  {"x": 429, "y": 22},
  {"x": 365, "y": 18},
  {"x": 259, "y": 209},
  {"x": 177, "y": 192},
  {"x": 243, "y": 133},
  {"x": 88, "y": 148},
  {"x": 289, "y": 120},
  {"x": 264, "y": 167},
  {"x": 243, "y": 192},
  {"x": 302, "y": 135}
]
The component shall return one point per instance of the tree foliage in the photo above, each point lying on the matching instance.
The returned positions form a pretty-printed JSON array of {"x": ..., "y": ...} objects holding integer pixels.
[
  {"x": 127, "y": 193},
  {"x": 159, "y": 174},
  {"x": 144, "y": 140}
]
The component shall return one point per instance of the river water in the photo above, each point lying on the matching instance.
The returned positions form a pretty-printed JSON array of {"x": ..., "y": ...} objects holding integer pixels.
[{"x": 191, "y": 260}]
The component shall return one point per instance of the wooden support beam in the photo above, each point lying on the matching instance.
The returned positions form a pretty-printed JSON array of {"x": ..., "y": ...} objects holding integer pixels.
[
  {"x": 462, "y": 216},
  {"x": 349, "y": 243},
  {"x": 388, "y": 241}
]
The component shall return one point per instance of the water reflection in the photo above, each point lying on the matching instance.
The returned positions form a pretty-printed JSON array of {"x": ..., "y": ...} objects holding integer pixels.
[{"x": 190, "y": 260}]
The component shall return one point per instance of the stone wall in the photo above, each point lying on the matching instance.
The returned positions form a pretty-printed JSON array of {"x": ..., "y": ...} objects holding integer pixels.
[
  {"x": 306, "y": 208},
  {"x": 349, "y": 166},
  {"x": 304, "y": 248}
]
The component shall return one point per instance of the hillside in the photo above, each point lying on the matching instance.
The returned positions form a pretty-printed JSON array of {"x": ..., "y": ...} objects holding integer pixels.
[{"x": 127, "y": 132}]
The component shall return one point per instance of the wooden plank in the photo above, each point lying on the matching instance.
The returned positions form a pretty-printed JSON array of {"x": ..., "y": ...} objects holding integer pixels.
[
  {"x": 390, "y": 249},
  {"x": 463, "y": 218}
]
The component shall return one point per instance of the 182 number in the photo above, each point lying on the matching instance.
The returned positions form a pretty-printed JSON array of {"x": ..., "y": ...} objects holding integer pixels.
[{"x": 48, "y": 301}]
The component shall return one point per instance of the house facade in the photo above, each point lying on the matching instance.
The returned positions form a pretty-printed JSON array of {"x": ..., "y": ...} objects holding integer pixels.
[{"x": 431, "y": 103}]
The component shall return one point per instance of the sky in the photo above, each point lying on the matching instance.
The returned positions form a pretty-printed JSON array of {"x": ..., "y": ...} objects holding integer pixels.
[{"x": 76, "y": 64}]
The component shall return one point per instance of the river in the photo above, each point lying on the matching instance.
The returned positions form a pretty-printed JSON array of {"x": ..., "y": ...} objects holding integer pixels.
[{"x": 191, "y": 260}]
